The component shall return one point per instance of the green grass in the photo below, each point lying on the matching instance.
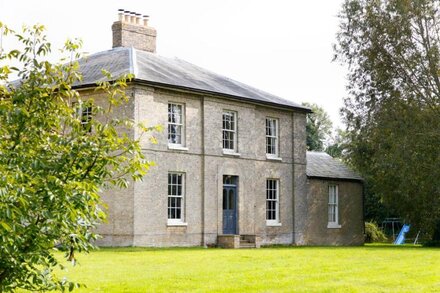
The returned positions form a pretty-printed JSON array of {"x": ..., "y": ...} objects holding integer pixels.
[{"x": 373, "y": 268}]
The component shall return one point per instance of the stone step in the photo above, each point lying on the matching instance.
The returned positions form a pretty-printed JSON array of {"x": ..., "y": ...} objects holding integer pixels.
[{"x": 247, "y": 245}]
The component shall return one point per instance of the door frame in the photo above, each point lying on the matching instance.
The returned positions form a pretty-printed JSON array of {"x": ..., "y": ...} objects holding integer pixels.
[{"x": 232, "y": 185}]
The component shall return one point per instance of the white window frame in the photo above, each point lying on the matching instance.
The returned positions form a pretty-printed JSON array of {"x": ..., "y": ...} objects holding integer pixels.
[
  {"x": 176, "y": 221},
  {"x": 233, "y": 131},
  {"x": 181, "y": 125},
  {"x": 276, "y": 221},
  {"x": 84, "y": 114},
  {"x": 274, "y": 137},
  {"x": 333, "y": 207}
]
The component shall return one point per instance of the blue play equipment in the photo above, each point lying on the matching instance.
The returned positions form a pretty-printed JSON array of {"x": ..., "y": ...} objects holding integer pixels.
[{"x": 401, "y": 238}]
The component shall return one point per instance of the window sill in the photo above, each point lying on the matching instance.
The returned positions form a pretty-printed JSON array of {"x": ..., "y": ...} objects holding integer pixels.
[
  {"x": 176, "y": 224},
  {"x": 231, "y": 153},
  {"x": 274, "y": 158},
  {"x": 333, "y": 226},
  {"x": 177, "y": 147},
  {"x": 273, "y": 224}
]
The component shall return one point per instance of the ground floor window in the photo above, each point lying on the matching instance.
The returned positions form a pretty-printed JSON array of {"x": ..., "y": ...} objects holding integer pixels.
[
  {"x": 333, "y": 207},
  {"x": 175, "y": 197},
  {"x": 272, "y": 202}
]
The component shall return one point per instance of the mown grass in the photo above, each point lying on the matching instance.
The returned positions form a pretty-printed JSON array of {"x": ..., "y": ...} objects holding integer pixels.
[{"x": 302, "y": 269}]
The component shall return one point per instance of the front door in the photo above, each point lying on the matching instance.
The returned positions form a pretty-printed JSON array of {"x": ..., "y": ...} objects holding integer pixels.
[{"x": 229, "y": 205}]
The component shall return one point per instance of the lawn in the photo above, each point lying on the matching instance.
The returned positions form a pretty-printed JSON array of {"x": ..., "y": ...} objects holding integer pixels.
[{"x": 307, "y": 269}]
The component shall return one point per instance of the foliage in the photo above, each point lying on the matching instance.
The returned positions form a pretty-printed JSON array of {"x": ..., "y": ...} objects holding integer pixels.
[
  {"x": 318, "y": 127},
  {"x": 53, "y": 163},
  {"x": 373, "y": 233},
  {"x": 375, "y": 210},
  {"x": 337, "y": 144},
  {"x": 306, "y": 269},
  {"x": 393, "y": 109},
  {"x": 435, "y": 240}
]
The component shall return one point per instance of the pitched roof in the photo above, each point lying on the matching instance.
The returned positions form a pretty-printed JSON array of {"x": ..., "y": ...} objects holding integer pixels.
[
  {"x": 172, "y": 72},
  {"x": 322, "y": 165}
]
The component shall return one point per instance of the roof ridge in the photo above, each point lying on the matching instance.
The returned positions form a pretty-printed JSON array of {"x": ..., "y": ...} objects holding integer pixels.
[{"x": 133, "y": 62}]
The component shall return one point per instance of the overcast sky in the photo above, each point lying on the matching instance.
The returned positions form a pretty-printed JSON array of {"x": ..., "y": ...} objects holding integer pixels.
[{"x": 280, "y": 46}]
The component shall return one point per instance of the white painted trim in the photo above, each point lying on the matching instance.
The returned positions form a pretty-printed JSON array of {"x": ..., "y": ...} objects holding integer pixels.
[
  {"x": 234, "y": 131},
  {"x": 273, "y": 157},
  {"x": 182, "y": 143},
  {"x": 334, "y": 225},
  {"x": 331, "y": 225},
  {"x": 231, "y": 153},
  {"x": 179, "y": 221},
  {"x": 273, "y": 223},
  {"x": 177, "y": 147},
  {"x": 171, "y": 223},
  {"x": 276, "y": 137}
]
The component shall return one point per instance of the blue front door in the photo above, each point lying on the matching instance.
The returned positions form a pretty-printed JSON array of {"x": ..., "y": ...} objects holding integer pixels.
[{"x": 230, "y": 206}]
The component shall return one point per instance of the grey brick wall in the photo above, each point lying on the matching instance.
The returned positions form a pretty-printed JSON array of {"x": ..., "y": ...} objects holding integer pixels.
[
  {"x": 350, "y": 214},
  {"x": 204, "y": 166}
]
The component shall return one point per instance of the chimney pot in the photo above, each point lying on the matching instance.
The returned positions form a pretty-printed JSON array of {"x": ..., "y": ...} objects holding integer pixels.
[
  {"x": 138, "y": 18},
  {"x": 133, "y": 17},
  {"x": 145, "y": 18},
  {"x": 121, "y": 14},
  {"x": 126, "y": 16}
]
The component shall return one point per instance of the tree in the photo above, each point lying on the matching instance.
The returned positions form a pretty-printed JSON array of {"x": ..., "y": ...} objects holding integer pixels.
[
  {"x": 337, "y": 144},
  {"x": 55, "y": 160},
  {"x": 393, "y": 109},
  {"x": 318, "y": 127}
]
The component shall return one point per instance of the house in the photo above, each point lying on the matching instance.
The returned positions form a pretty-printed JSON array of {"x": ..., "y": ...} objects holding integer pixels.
[
  {"x": 231, "y": 164},
  {"x": 334, "y": 189}
]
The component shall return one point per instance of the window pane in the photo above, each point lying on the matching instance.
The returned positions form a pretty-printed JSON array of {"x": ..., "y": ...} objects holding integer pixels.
[
  {"x": 229, "y": 130},
  {"x": 333, "y": 204},
  {"x": 175, "y": 123},
  {"x": 175, "y": 196},
  {"x": 225, "y": 200},
  {"x": 272, "y": 199},
  {"x": 271, "y": 136},
  {"x": 231, "y": 199}
]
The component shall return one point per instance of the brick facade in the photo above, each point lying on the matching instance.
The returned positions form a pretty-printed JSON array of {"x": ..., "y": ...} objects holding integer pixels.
[{"x": 138, "y": 216}]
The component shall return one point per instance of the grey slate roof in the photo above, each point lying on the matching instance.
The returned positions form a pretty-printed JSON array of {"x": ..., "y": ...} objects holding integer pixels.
[
  {"x": 322, "y": 165},
  {"x": 172, "y": 72}
]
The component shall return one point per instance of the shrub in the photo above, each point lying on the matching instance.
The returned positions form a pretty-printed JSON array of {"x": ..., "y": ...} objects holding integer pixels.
[
  {"x": 435, "y": 240},
  {"x": 373, "y": 233}
]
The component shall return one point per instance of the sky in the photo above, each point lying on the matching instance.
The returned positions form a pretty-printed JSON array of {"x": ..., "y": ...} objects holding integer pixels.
[{"x": 283, "y": 47}]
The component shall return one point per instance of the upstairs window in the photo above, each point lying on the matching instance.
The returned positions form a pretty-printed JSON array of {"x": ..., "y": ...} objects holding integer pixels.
[
  {"x": 333, "y": 207},
  {"x": 230, "y": 131},
  {"x": 175, "y": 124},
  {"x": 272, "y": 137}
]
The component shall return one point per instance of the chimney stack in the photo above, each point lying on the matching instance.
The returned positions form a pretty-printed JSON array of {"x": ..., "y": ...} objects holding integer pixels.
[{"x": 132, "y": 30}]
